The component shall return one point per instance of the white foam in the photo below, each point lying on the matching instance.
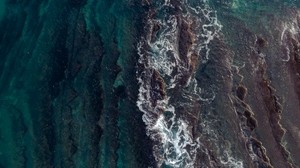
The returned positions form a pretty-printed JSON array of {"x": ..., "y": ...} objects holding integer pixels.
[
  {"x": 210, "y": 28},
  {"x": 176, "y": 147},
  {"x": 283, "y": 33},
  {"x": 289, "y": 28},
  {"x": 194, "y": 93},
  {"x": 231, "y": 162}
]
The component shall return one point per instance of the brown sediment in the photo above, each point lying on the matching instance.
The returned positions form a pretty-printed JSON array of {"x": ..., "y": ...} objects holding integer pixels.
[
  {"x": 261, "y": 110},
  {"x": 194, "y": 60},
  {"x": 264, "y": 121},
  {"x": 208, "y": 159},
  {"x": 241, "y": 92},
  {"x": 251, "y": 121},
  {"x": 260, "y": 43},
  {"x": 248, "y": 124},
  {"x": 272, "y": 105},
  {"x": 294, "y": 63},
  {"x": 157, "y": 88},
  {"x": 274, "y": 109},
  {"x": 260, "y": 151},
  {"x": 291, "y": 92},
  {"x": 185, "y": 41},
  {"x": 155, "y": 28}
]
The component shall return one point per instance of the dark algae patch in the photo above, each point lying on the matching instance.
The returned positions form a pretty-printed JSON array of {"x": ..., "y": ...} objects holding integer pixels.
[{"x": 149, "y": 84}]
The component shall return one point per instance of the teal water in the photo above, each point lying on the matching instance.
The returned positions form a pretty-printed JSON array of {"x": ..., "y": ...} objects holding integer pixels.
[
  {"x": 2, "y": 8},
  {"x": 64, "y": 104}
]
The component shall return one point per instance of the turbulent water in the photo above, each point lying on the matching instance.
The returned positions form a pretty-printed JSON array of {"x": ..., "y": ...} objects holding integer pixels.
[
  {"x": 169, "y": 54},
  {"x": 150, "y": 83}
]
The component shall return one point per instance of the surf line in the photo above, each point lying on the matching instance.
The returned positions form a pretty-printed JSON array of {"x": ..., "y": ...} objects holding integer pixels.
[{"x": 166, "y": 67}]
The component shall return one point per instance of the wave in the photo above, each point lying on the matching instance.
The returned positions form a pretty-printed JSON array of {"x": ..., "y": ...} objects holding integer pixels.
[
  {"x": 168, "y": 58},
  {"x": 289, "y": 31}
]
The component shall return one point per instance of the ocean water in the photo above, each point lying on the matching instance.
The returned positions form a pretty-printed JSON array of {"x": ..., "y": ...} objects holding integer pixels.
[
  {"x": 149, "y": 84},
  {"x": 2, "y": 8}
]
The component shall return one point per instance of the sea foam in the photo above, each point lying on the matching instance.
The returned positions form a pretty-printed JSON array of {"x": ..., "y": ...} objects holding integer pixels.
[{"x": 175, "y": 145}]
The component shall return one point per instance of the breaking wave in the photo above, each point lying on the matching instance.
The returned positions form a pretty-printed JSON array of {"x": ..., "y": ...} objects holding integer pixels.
[{"x": 165, "y": 70}]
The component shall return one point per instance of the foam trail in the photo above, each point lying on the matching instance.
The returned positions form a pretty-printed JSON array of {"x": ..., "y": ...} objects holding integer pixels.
[
  {"x": 210, "y": 26},
  {"x": 163, "y": 70},
  {"x": 290, "y": 28}
]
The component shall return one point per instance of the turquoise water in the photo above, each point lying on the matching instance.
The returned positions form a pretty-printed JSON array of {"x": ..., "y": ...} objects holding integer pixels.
[{"x": 69, "y": 102}]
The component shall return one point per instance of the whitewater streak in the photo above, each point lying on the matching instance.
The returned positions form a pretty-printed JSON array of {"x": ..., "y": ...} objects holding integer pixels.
[{"x": 164, "y": 69}]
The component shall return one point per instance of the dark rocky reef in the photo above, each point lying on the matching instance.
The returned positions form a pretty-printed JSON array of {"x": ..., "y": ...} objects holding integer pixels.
[
  {"x": 60, "y": 79},
  {"x": 260, "y": 70}
]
